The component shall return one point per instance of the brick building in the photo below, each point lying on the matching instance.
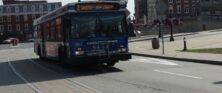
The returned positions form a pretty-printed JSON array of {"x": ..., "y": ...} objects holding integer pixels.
[
  {"x": 176, "y": 8},
  {"x": 211, "y": 9},
  {"x": 145, "y": 11},
  {"x": 5, "y": 2},
  {"x": 183, "y": 8},
  {"x": 16, "y": 19}
]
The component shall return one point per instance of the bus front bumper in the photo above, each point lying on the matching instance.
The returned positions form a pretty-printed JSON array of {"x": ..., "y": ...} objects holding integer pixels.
[{"x": 101, "y": 58}]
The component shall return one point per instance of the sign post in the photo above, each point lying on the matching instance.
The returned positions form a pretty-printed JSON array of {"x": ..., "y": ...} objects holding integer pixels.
[{"x": 161, "y": 8}]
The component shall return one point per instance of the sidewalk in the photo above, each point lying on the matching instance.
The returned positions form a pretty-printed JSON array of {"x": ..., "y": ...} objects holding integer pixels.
[
  {"x": 149, "y": 37},
  {"x": 207, "y": 39}
]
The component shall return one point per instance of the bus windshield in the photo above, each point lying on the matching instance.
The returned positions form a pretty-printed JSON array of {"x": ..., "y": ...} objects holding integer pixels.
[{"x": 97, "y": 25}]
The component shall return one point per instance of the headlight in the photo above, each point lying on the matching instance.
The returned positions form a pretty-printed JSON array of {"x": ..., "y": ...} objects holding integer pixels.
[
  {"x": 122, "y": 50},
  {"x": 79, "y": 51}
]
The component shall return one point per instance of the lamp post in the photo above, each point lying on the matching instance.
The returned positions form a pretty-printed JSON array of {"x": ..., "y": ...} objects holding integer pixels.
[
  {"x": 160, "y": 35},
  {"x": 171, "y": 31},
  {"x": 1, "y": 34}
]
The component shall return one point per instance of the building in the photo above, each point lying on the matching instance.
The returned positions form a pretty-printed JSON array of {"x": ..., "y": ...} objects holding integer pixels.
[
  {"x": 211, "y": 14},
  {"x": 145, "y": 11},
  {"x": 16, "y": 20},
  {"x": 211, "y": 9},
  {"x": 5, "y": 2},
  {"x": 183, "y": 8}
]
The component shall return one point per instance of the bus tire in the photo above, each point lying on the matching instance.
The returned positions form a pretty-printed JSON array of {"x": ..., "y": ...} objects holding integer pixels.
[
  {"x": 111, "y": 63},
  {"x": 39, "y": 52},
  {"x": 62, "y": 57}
]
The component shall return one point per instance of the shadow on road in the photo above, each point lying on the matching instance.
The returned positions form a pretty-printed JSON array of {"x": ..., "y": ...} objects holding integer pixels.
[
  {"x": 219, "y": 82},
  {"x": 41, "y": 71}
]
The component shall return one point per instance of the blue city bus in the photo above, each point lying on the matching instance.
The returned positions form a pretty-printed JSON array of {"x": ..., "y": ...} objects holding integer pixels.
[{"x": 90, "y": 32}]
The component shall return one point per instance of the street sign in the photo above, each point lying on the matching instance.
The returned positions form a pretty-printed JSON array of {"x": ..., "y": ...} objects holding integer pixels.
[{"x": 161, "y": 7}]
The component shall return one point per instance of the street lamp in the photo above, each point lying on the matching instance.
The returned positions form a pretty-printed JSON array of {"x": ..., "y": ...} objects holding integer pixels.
[
  {"x": 160, "y": 35},
  {"x": 171, "y": 22},
  {"x": 1, "y": 34},
  {"x": 171, "y": 31}
]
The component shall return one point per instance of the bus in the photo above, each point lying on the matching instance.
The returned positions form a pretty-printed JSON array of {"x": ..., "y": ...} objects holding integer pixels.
[{"x": 90, "y": 32}]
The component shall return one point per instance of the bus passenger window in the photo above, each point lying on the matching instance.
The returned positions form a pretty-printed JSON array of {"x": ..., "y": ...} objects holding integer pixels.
[
  {"x": 47, "y": 32},
  {"x": 58, "y": 29},
  {"x": 52, "y": 30}
]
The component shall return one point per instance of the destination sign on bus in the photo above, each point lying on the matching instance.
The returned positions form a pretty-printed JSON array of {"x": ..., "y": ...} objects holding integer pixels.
[{"x": 96, "y": 7}]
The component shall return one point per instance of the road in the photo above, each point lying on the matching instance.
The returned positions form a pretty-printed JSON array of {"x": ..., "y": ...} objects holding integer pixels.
[{"x": 22, "y": 72}]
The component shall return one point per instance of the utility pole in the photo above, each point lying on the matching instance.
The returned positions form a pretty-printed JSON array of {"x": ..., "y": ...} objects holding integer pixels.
[
  {"x": 171, "y": 31},
  {"x": 160, "y": 34}
]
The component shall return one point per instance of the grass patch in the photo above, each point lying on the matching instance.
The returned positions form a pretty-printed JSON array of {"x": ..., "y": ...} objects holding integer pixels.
[{"x": 207, "y": 50}]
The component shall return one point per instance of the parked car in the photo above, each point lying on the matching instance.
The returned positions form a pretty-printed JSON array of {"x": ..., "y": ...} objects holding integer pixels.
[{"x": 10, "y": 40}]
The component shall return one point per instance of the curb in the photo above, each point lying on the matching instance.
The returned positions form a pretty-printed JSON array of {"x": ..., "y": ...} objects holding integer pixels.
[
  {"x": 164, "y": 37},
  {"x": 181, "y": 59}
]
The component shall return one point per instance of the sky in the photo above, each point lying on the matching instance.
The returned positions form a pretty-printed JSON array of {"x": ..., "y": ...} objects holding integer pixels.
[{"x": 130, "y": 5}]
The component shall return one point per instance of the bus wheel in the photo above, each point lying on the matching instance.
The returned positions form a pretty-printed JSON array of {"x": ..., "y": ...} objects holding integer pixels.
[
  {"x": 39, "y": 52},
  {"x": 111, "y": 63},
  {"x": 62, "y": 58}
]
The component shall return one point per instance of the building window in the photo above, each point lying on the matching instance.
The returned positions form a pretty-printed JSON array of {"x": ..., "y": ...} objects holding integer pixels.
[
  {"x": 8, "y": 9},
  {"x": 41, "y": 8},
  {"x": 178, "y": 1},
  {"x": 26, "y": 27},
  {"x": 33, "y": 8},
  {"x": 186, "y": 1},
  {"x": 170, "y": 9},
  {"x": 49, "y": 7},
  {"x": 1, "y": 9},
  {"x": 25, "y": 17},
  {"x": 17, "y": 18},
  {"x": 187, "y": 10},
  {"x": 17, "y": 9},
  {"x": 9, "y": 19},
  {"x": 1, "y": 28},
  {"x": 194, "y": 10},
  {"x": 1, "y": 19},
  {"x": 25, "y": 8},
  {"x": 178, "y": 9},
  {"x": 9, "y": 27},
  {"x": 56, "y": 6},
  {"x": 17, "y": 27},
  {"x": 33, "y": 16},
  {"x": 170, "y": 1}
]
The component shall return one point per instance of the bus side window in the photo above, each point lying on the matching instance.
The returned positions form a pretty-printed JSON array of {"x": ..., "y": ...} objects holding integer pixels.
[
  {"x": 46, "y": 32},
  {"x": 38, "y": 32},
  {"x": 52, "y": 31},
  {"x": 58, "y": 29}
]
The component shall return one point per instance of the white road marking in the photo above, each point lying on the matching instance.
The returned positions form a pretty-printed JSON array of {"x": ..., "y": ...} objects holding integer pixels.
[
  {"x": 49, "y": 70},
  {"x": 78, "y": 83},
  {"x": 177, "y": 74},
  {"x": 137, "y": 47},
  {"x": 154, "y": 61},
  {"x": 21, "y": 77}
]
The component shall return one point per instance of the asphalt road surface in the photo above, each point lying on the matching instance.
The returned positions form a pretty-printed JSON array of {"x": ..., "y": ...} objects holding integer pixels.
[{"x": 22, "y": 72}]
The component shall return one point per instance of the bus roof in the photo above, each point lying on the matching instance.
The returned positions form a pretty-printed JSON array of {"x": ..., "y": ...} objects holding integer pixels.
[{"x": 69, "y": 8}]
